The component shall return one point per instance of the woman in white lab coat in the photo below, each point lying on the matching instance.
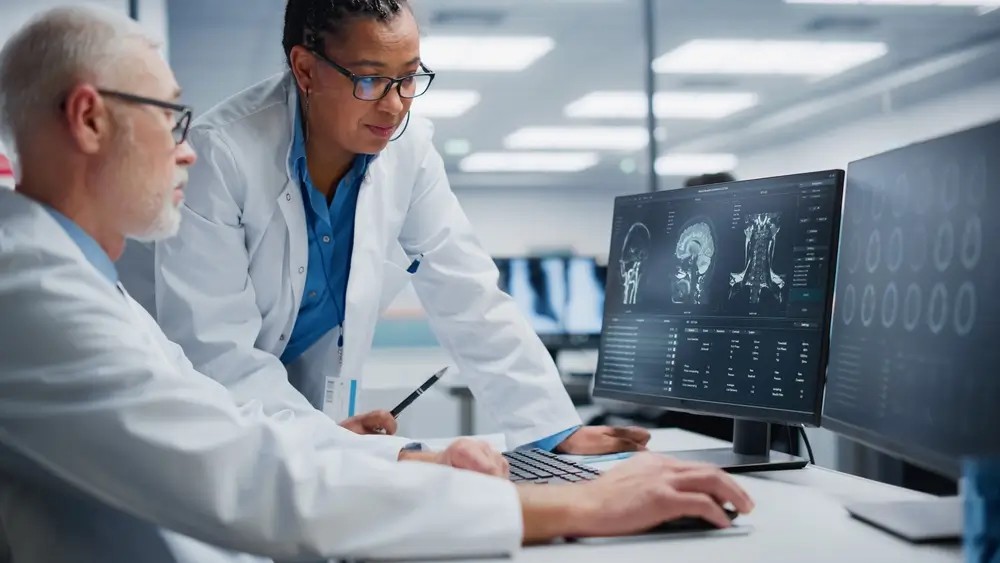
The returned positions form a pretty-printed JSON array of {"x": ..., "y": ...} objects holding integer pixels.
[{"x": 251, "y": 288}]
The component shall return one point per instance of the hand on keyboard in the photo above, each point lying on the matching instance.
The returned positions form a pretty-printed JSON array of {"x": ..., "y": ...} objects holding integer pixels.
[
  {"x": 464, "y": 453},
  {"x": 474, "y": 455}
]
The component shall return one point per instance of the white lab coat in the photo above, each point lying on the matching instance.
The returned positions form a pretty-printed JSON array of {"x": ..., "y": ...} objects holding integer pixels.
[
  {"x": 229, "y": 286},
  {"x": 114, "y": 449}
]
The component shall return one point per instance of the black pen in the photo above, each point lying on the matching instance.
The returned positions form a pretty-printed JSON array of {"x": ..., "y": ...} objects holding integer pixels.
[{"x": 420, "y": 391}]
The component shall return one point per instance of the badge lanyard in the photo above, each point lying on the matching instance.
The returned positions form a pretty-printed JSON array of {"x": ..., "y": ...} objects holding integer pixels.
[{"x": 341, "y": 393}]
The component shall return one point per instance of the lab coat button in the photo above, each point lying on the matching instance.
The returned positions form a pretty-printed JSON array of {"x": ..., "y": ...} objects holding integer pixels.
[
  {"x": 288, "y": 197},
  {"x": 302, "y": 270},
  {"x": 281, "y": 338}
]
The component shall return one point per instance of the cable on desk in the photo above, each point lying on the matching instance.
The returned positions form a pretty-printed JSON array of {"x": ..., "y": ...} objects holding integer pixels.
[
  {"x": 788, "y": 431},
  {"x": 809, "y": 448}
]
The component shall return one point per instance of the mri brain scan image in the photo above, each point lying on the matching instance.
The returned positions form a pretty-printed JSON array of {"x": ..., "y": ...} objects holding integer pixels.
[
  {"x": 635, "y": 252},
  {"x": 758, "y": 273},
  {"x": 695, "y": 251}
]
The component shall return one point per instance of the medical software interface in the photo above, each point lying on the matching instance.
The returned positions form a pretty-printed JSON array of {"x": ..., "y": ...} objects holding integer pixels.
[
  {"x": 914, "y": 349},
  {"x": 720, "y": 293},
  {"x": 559, "y": 295}
]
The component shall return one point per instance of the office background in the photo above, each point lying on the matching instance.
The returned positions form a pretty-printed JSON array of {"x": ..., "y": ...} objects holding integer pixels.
[{"x": 865, "y": 76}]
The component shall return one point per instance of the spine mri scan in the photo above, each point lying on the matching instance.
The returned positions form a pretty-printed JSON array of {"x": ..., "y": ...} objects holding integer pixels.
[
  {"x": 758, "y": 273},
  {"x": 635, "y": 251}
]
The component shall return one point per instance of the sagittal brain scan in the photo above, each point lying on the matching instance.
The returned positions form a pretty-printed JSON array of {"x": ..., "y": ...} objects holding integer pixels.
[
  {"x": 694, "y": 252},
  {"x": 913, "y": 349},
  {"x": 758, "y": 273},
  {"x": 635, "y": 252}
]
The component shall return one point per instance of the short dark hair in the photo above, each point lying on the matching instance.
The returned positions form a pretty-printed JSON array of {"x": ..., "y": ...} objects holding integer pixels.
[
  {"x": 307, "y": 20},
  {"x": 707, "y": 179}
]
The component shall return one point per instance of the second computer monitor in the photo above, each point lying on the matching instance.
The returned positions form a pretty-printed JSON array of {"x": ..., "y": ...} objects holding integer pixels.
[
  {"x": 561, "y": 296},
  {"x": 719, "y": 298},
  {"x": 914, "y": 354}
]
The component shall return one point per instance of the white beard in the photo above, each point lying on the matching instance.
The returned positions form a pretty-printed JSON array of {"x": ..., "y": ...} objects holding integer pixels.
[{"x": 168, "y": 219}]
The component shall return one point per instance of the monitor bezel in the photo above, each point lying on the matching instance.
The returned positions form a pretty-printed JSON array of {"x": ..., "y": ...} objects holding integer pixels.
[
  {"x": 943, "y": 464},
  {"x": 762, "y": 414}
]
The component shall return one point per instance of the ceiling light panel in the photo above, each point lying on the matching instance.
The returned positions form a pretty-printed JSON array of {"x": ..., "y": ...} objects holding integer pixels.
[
  {"x": 457, "y": 147},
  {"x": 528, "y": 161},
  {"x": 738, "y": 56},
  {"x": 631, "y": 104},
  {"x": 485, "y": 54},
  {"x": 445, "y": 103},
  {"x": 578, "y": 138}
]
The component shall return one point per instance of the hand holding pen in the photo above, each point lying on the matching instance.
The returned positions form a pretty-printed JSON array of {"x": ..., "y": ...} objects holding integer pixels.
[
  {"x": 382, "y": 421},
  {"x": 374, "y": 422}
]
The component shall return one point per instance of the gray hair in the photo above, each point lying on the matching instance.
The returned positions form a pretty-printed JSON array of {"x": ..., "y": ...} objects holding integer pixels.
[{"x": 57, "y": 50}]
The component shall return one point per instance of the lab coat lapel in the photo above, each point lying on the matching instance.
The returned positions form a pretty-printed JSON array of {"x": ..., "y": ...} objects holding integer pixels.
[
  {"x": 364, "y": 283},
  {"x": 293, "y": 209}
]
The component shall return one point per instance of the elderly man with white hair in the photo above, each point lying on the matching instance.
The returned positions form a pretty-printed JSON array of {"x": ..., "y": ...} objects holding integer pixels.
[{"x": 114, "y": 449}]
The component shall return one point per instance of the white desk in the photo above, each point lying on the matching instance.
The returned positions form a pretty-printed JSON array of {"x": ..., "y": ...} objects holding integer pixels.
[{"x": 799, "y": 518}]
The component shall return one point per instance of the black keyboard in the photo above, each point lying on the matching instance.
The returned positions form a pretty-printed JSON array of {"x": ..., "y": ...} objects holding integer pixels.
[{"x": 540, "y": 466}]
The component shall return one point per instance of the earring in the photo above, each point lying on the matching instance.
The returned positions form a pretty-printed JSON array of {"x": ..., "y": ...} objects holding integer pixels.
[{"x": 305, "y": 112}]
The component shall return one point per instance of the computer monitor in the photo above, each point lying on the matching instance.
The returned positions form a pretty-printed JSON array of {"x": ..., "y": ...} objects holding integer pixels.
[
  {"x": 561, "y": 296},
  {"x": 538, "y": 286},
  {"x": 914, "y": 353},
  {"x": 719, "y": 302},
  {"x": 585, "y": 302}
]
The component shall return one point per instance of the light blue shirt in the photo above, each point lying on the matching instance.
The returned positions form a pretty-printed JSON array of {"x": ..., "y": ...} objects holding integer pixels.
[{"x": 91, "y": 250}]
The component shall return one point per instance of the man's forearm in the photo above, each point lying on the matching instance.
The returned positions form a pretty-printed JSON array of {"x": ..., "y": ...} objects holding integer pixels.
[{"x": 549, "y": 512}]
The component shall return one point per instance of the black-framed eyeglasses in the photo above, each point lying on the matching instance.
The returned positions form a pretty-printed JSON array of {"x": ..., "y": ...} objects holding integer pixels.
[
  {"x": 374, "y": 88},
  {"x": 181, "y": 118}
]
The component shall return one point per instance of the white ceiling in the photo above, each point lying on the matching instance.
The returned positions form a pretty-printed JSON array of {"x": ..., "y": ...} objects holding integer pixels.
[{"x": 221, "y": 46}]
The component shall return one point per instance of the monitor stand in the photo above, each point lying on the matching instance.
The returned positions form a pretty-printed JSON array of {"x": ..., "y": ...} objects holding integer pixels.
[
  {"x": 751, "y": 451},
  {"x": 932, "y": 520}
]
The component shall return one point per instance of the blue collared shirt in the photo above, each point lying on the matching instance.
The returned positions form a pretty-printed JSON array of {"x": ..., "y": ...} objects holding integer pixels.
[
  {"x": 91, "y": 250},
  {"x": 330, "y": 228}
]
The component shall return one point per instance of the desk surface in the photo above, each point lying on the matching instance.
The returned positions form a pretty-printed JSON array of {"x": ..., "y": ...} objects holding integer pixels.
[{"x": 799, "y": 517}]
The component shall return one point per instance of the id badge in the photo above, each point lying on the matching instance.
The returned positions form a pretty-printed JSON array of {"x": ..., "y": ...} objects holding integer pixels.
[
  {"x": 341, "y": 395},
  {"x": 341, "y": 398}
]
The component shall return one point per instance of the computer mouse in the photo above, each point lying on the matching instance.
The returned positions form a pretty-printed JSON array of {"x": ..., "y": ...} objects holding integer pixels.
[
  {"x": 678, "y": 527},
  {"x": 688, "y": 524}
]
